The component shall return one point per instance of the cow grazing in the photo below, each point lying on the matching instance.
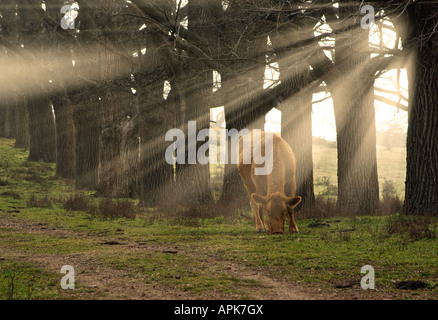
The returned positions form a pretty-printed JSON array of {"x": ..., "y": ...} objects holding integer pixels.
[{"x": 273, "y": 192}]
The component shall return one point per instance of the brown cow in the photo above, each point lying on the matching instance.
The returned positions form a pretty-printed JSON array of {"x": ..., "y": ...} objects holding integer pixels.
[{"x": 273, "y": 192}]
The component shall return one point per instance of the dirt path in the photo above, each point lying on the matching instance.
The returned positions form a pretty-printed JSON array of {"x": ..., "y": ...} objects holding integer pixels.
[
  {"x": 100, "y": 281},
  {"x": 97, "y": 280}
]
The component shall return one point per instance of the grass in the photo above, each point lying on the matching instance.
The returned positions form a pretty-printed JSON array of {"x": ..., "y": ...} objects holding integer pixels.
[
  {"x": 202, "y": 257},
  {"x": 24, "y": 281}
]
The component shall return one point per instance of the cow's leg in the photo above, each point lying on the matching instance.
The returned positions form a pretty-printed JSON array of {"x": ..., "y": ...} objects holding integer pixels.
[
  {"x": 290, "y": 191},
  {"x": 250, "y": 189},
  {"x": 254, "y": 206},
  {"x": 257, "y": 212},
  {"x": 260, "y": 182},
  {"x": 292, "y": 225},
  {"x": 262, "y": 219}
]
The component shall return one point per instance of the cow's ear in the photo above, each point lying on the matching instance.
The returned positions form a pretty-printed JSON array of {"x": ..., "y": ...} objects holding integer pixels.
[
  {"x": 260, "y": 200},
  {"x": 293, "y": 201}
]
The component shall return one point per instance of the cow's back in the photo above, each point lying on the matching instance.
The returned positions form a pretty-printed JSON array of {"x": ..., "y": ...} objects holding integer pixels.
[{"x": 283, "y": 165}]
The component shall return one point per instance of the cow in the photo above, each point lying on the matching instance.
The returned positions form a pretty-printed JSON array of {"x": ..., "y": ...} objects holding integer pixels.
[{"x": 273, "y": 192}]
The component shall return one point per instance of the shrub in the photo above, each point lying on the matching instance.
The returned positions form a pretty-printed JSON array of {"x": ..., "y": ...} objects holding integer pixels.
[
  {"x": 331, "y": 190},
  {"x": 415, "y": 227},
  {"x": 43, "y": 202},
  {"x": 391, "y": 203},
  {"x": 34, "y": 178},
  {"x": 118, "y": 209},
  {"x": 388, "y": 189},
  {"x": 12, "y": 194},
  {"x": 78, "y": 202},
  {"x": 323, "y": 208}
]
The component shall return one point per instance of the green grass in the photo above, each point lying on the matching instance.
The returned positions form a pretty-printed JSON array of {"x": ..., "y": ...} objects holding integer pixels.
[
  {"x": 25, "y": 281},
  {"x": 322, "y": 256}
]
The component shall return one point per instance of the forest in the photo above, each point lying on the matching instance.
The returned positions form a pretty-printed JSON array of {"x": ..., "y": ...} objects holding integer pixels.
[{"x": 94, "y": 87}]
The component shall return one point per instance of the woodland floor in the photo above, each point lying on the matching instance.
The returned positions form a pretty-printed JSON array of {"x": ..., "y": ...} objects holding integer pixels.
[{"x": 154, "y": 257}]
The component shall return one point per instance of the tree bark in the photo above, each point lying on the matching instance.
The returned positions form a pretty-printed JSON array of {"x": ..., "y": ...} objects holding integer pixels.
[
  {"x": 421, "y": 195},
  {"x": 8, "y": 31},
  {"x": 2, "y": 120},
  {"x": 116, "y": 115},
  {"x": 86, "y": 118},
  {"x": 10, "y": 117},
  {"x": 41, "y": 120},
  {"x": 156, "y": 176},
  {"x": 196, "y": 85},
  {"x": 353, "y": 102},
  {"x": 65, "y": 136},
  {"x": 41, "y": 128},
  {"x": 21, "y": 122}
]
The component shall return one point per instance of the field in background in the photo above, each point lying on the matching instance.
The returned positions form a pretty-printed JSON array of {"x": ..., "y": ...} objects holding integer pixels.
[{"x": 391, "y": 167}]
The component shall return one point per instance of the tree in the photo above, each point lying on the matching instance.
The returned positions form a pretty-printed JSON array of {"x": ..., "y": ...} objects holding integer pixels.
[
  {"x": 349, "y": 78},
  {"x": 41, "y": 119},
  {"x": 21, "y": 121},
  {"x": 242, "y": 48},
  {"x": 296, "y": 116},
  {"x": 84, "y": 94},
  {"x": 58, "y": 45},
  {"x": 116, "y": 101},
  {"x": 196, "y": 84},
  {"x": 14, "y": 117},
  {"x": 421, "y": 197},
  {"x": 159, "y": 63}
]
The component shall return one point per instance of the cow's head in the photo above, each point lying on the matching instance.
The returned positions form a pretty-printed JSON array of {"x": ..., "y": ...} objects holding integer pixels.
[{"x": 277, "y": 205}]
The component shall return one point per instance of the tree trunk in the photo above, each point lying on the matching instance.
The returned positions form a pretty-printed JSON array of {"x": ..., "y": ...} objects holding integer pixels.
[
  {"x": 85, "y": 97},
  {"x": 156, "y": 176},
  {"x": 21, "y": 123},
  {"x": 7, "y": 115},
  {"x": 296, "y": 129},
  {"x": 65, "y": 136},
  {"x": 10, "y": 117},
  {"x": 86, "y": 118},
  {"x": 41, "y": 128},
  {"x": 238, "y": 91},
  {"x": 116, "y": 115},
  {"x": 129, "y": 155},
  {"x": 41, "y": 119},
  {"x": 8, "y": 32},
  {"x": 353, "y": 102},
  {"x": 296, "y": 116},
  {"x": 242, "y": 90},
  {"x": 2, "y": 119},
  {"x": 421, "y": 197},
  {"x": 197, "y": 85}
]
